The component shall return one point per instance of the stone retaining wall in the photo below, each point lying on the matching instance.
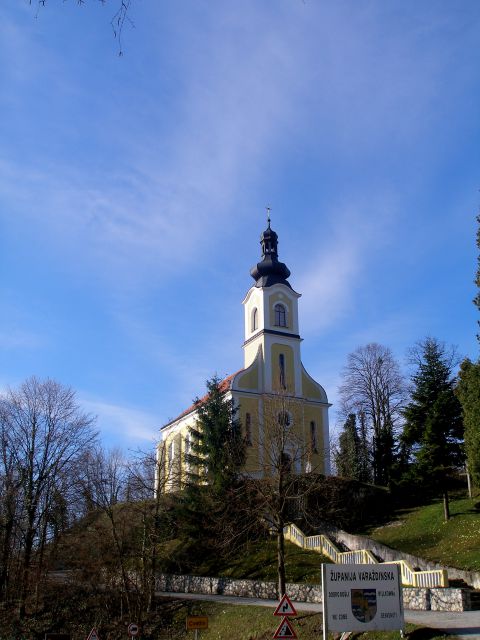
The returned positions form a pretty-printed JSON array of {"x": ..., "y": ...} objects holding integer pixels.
[
  {"x": 449, "y": 599},
  {"x": 229, "y": 587}
]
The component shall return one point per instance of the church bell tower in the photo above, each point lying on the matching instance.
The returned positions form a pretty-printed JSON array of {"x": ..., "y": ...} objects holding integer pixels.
[{"x": 271, "y": 321}]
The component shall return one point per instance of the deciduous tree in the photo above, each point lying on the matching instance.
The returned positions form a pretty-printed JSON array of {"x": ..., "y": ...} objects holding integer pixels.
[
  {"x": 122, "y": 9},
  {"x": 44, "y": 434},
  {"x": 280, "y": 491},
  {"x": 374, "y": 388}
]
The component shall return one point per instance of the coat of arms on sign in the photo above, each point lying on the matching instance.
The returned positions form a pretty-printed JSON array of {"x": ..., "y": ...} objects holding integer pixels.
[{"x": 364, "y": 604}]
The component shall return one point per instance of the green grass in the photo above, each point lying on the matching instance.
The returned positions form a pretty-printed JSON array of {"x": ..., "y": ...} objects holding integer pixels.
[
  {"x": 259, "y": 562},
  {"x": 246, "y": 622},
  {"x": 423, "y": 532}
]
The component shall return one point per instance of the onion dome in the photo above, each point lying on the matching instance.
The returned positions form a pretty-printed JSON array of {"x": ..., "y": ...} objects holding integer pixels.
[{"x": 270, "y": 271}]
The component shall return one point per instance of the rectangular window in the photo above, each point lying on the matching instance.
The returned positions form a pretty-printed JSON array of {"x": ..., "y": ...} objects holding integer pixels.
[
  {"x": 313, "y": 437},
  {"x": 248, "y": 430},
  {"x": 280, "y": 315},
  {"x": 187, "y": 452},
  {"x": 281, "y": 364}
]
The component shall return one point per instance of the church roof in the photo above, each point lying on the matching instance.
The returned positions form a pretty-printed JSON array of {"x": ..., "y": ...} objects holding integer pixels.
[
  {"x": 270, "y": 270},
  {"x": 225, "y": 385}
]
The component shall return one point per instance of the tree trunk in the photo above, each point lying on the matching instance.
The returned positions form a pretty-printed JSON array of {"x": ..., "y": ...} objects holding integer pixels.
[
  {"x": 6, "y": 553},
  {"x": 446, "y": 505},
  {"x": 40, "y": 555},
  {"x": 469, "y": 481},
  {"x": 27, "y": 559},
  {"x": 153, "y": 558},
  {"x": 281, "y": 561}
]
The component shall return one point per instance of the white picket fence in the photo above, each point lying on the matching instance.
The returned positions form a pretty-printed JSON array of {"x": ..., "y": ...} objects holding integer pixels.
[{"x": 321, "y": 544}]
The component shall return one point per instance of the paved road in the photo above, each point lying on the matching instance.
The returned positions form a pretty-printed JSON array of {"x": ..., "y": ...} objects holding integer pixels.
[{"x": 465, "y": 624}]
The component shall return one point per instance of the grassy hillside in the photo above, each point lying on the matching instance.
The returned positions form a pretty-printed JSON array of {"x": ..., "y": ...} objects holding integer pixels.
[
  {"x": 422, "y": 532},
  {"x": 259, "y": 561},
  {"x": 256, "y": 560}
]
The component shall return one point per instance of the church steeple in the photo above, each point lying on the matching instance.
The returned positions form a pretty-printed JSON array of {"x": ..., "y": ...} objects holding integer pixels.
[{"x": 270, "y": 271}]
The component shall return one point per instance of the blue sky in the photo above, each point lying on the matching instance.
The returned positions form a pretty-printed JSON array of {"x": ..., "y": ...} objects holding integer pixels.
[{"x": 132, "y": 188}]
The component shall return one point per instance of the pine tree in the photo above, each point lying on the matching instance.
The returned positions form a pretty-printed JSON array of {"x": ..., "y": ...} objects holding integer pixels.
[
  {"x": 365, "y": 466},
  {"x": 215, "y": 452},
  {"x": 352, "y": 458},
  {"x": 433, "y": 423},
  {"x": 468, "y": 392},
  {"x": 346, "y": 458},
  {"x": 217, "y": 449}
]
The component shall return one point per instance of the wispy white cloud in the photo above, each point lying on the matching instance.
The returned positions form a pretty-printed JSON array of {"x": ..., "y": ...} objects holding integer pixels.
[
  {"x": 161, "y": 210},
  {"x": 121, "y": 423},
  {"x": 347, "y": 248},
  {"x": 18, "y": 339},
  {"x": 155, "y": 211}
]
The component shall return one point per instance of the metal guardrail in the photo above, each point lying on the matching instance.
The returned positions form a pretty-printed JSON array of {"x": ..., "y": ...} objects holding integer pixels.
[{"x": 322, "y": 544}]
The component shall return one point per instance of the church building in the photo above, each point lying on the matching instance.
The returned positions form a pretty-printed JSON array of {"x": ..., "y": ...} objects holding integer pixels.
[{"x": 273, "y": 384}]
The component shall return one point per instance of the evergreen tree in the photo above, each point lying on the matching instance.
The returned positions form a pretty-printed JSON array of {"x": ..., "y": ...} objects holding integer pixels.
[
  {"x": 217, "y": 449},
  {"x": 433, "y": 423},
  {"x": 468, "y": 391},
  {"x": 346, "y": 458},
  {"x": 352, "y": 456},
  {"x": 365, "y": 467}
]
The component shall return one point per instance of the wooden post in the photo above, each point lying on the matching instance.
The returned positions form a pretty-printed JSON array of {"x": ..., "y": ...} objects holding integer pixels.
[{"x": 324, "y": 602}]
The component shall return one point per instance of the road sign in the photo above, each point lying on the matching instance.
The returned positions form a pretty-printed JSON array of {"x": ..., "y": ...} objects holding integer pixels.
[
  {"x": 133, "y": 629},
  {"x": 285, "y": 608},
  {"x": 197, "y": 622},
  {"x": 93, "y": 635},
  {"x": 361, "y": 597},
  {"x": 285, "y": 630}
]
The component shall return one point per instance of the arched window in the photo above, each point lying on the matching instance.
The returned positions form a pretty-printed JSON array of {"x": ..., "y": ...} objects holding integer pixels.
[
  {"x": 313, "y": 437},
  {"x": 255, "y": 319},
  {"x": 280, "y": 315},
  {"x": 286, "y": 463},
  {"x": 284, "y": 419}
]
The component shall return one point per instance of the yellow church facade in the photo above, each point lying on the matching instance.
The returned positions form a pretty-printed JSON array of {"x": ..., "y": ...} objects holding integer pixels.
[{"x": 272, "y": 388}]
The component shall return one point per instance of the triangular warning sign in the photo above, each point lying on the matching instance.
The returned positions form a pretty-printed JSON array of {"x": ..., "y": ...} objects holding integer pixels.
[
  {"x": 285, "y": 608},
  {"x": 93, "y": 635},
  {"x": 285, "y": 630}
]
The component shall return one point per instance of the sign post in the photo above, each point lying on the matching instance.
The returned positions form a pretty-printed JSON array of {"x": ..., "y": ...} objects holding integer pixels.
[
  {"x": 196, "y": 623},
  {"x": 361, "y": 597},
  {"x": 285, "y": 609}
]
